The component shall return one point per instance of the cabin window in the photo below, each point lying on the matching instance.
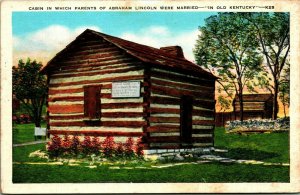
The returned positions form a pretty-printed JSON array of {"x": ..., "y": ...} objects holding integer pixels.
[
  {"x": 92, "y": 102},
  {"x": 186, "y": 108}
]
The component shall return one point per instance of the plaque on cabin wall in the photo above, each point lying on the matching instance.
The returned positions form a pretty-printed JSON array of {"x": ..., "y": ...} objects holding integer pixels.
[{"x": 126, "y": 89}]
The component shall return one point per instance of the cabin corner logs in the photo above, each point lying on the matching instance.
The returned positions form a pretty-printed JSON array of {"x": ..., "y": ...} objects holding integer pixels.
[{"x": 174, "y": 108}]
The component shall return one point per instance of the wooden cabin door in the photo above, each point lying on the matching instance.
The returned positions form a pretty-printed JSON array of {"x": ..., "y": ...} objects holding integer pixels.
[{"x": 186, "y": 108}]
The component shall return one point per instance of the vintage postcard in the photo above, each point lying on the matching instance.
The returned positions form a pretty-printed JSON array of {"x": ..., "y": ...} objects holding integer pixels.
[{"x": 150, "y": 96}]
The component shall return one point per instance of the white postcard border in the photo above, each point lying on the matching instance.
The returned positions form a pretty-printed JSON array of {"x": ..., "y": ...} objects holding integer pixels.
[{"x": 7, "y": 7}]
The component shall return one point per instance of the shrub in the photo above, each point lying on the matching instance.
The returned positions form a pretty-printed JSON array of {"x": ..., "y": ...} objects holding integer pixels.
[
  {"x": 75, "y": 145},
  {"x": 129, "y": 149},
  {"x": 54, "y": 147},
  {"x": 66, "y": 145},
  {"x": 139, "y": 149},
  {"x": 22, "y": 118},
  {"x": 120, "y": 151},
  {"x": 108, "y": 146},
  {"x": 15, "y": 119},
  {"x": 96, "y": 145},
  {"x": 86, "y": 145}
]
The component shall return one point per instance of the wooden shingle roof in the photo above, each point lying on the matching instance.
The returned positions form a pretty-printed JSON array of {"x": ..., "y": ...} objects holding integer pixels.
[{"x": 147, "y": 54}]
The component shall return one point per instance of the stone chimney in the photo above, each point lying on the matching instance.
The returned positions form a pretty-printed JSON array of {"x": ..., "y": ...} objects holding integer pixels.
[{"x": 174, "y": 50}]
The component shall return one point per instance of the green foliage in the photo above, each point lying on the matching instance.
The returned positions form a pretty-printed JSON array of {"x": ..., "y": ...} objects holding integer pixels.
[
  {"x": 224, "y": 102},
  {"x": 263, "y": 81},
  {"x": 231, "y": 46},
  {"x": 228, "y": 48},
  {"x": 30, "y": 87},
  {"x": 272, "y": 30}
]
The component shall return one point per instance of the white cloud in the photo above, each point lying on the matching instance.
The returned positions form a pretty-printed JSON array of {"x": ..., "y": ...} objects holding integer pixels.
[
  {"x": 142, "y": 39},
  {"x": 157, "y": 30},
  {"x": 51, "y": 38},
  {"x": 160, "y": 36},
  {"x": 43, "y": 44}
]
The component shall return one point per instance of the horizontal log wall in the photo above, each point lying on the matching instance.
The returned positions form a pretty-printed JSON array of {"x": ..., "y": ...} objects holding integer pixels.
[
  {"x": 250, "y": 106},
  {"x": 167, "y": 87},
  {"x": 95, "y": 63}
]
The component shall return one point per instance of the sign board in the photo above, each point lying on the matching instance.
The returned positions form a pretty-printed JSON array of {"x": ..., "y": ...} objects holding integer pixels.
[
  {"x": 38, "y": 131},
  {"x": 126, "y": 89}
]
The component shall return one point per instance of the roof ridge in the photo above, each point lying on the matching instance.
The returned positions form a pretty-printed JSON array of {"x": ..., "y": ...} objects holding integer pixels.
[
  {"x": 166, "y": 54},
  {"x": 150, "y": 47},
  {"x": 142, "y": 52}
]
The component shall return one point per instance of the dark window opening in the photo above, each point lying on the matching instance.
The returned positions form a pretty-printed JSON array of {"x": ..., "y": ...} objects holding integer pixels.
[
  {"x": 92, "y": 102},
  {"x": 186, "y": 108}
]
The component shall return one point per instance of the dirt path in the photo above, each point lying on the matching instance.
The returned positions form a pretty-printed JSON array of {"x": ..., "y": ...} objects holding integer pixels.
[
  {"x": 253, "y": 162},
  {"x": 30, "y": 143}
]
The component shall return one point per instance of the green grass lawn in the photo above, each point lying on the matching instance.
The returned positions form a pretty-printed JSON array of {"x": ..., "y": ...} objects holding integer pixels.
[
  {"x": 21, "y": 154},
  {"x": 272, "y": 147},
  {"x": 23, "y": 133},
  {"x": 200, "y": 173},
  {"x": 264, "y": 147}
]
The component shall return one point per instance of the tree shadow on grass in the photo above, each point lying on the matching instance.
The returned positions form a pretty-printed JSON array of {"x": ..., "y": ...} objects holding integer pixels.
[{"x": 247, "y": 154}]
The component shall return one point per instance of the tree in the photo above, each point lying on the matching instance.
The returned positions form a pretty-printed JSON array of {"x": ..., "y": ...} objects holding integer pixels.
[
  {"x": 30, "y": 88},
  {"x": 227, "y": 46},
  {"x": 284, "y": 88},
  {"x": 273, "y": 33},
  {"x": 224, "y": 103}
]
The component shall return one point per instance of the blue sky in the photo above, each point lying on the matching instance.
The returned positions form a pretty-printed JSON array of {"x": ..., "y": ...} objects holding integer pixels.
[{"x": 39, "y": 35}]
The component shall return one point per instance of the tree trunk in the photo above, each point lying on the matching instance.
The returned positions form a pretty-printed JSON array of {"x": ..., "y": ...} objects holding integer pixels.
[
  {"x": 37, "y": 123},
  {"x": 275, "y": 101},
  {"x": 241, "y": 107},
  {"x": 241, "y": 101},
  {"x": 283, "y": 103},
  {"x": 38, "y": 108},
  {"x": 36, "y": 115},
  {"x": 284, "y": 111},
  {"x": 37, "y": 119}
]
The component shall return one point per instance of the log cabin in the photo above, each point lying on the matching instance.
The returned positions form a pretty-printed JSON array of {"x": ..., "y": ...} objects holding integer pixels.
[
  {"x": 256, "y": 106},
  {"x": 101, "y": 85}
]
